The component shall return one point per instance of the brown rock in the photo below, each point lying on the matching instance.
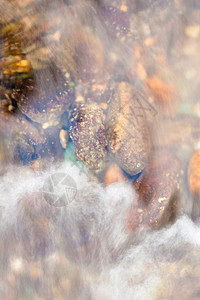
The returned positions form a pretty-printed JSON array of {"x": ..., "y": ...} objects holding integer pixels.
[
  {"x": 88, "y": 134},
  {"x": 63, "y": 136},
  {"x": 20, "y": 137},
  {"x": 116, "y": 22},
  {"x": 158, "y": 186},
  {"x": 128, "y": 126},
  {"x": 45, "y": 96},
  {"x": 24, "y": 142},
  {"x": 84, "y": 54}
]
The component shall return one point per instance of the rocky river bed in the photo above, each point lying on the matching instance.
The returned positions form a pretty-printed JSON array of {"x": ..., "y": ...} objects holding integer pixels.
[{"x": 109, "y": 91}]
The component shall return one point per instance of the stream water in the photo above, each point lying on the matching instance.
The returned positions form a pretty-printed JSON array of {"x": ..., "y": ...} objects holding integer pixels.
[{"x": 65, "y": 218}]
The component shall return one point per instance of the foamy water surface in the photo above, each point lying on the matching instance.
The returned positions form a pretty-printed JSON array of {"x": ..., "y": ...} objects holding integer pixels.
[{"x": 83, "y": 250}]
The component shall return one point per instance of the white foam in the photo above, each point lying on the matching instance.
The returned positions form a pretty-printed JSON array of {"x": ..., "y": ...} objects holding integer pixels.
[{"x": 111, "y": 262}]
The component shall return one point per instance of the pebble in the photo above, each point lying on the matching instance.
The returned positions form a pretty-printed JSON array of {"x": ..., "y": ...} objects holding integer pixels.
[
  {"x": 63, "y": 135},
  {"x": 113, "y": 174}
]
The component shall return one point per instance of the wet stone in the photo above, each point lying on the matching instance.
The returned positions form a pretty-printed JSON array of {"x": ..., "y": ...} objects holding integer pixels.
[
  {"x": 128, "y": 124},
  {"x": 83, "y": 54},
  {"x": 88, "y": 134},
  {"x": 25, "y": 143},
  {"x": 63, "y": 136},
  {"x": 116, "y": 21},
  {"x": 159, "y": 188},
  {"x": 20, "y": 137},
  {"x": 45, "y": 96}
]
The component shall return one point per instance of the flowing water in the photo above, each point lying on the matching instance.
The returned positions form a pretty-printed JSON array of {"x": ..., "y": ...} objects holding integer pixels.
[{"x": 64, "y": 227}]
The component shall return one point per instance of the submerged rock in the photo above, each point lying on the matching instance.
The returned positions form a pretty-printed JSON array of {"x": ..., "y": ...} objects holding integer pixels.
[
  {"x": 128, "y": 128},
  {"x": 83, "y": 54},
  {"x": 45, "y": 96},
  {"x": 159, "y": 188},
  {"x": 88, "y": 134},
  {"x": 26, "y": 142},
  {"x": 116, "y": 21}
]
